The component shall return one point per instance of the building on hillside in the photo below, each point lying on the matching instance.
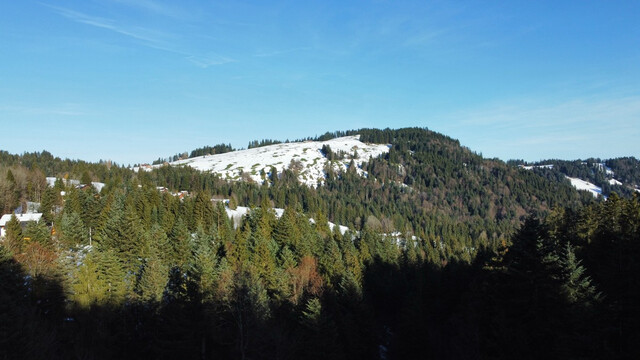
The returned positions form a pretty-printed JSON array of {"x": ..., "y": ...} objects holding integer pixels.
[{"x": 23, "y": 218}]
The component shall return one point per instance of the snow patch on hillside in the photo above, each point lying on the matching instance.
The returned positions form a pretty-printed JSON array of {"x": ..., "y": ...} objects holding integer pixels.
[
  {"x": 603, "y": 167},
  {"x": 51, "y": 182},
  {"x": 239, "y": 212},
  {"x": 585, "y": 185},
  {"x": 256, "y": 163},
  {"x": 531, "y": 167},
  {"x": 614, "y": 182}
]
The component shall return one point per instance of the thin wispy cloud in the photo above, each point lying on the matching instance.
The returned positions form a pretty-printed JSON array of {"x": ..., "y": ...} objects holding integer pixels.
[
  {"x": 140, "y": 33},
  {"x": 147, "y": 37}
]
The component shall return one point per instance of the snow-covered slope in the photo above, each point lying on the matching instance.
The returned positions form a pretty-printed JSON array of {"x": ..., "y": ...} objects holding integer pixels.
[
  {"x": 234, "y": 165},
  {"x": 585, "y": 185},
  {"x": 580, "y": 184}
]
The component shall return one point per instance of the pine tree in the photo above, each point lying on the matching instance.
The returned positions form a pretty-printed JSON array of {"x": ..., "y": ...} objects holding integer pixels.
[
  {"x": 576, "y": 287},
  {"x": 110, "y": 235},
  {"x": 152, "y": 279},
  {"x": 11, "y": 192},
  {"x": 331, "y": 262},
  {"x": 263, "y": 259},
  {"x": 134, "y": 241},
  {"x": 49, "y": 200},
  {"x": 238, "y": 250},
  {"x": 91, "y": 208},
  {"x": 85, "y": 178},
  {"x": 14, "y": 235},
  {"x": 180, "y": 240},
  {"x": 100, "y": 280},
  {"x": 284, "y": 232},
  {"x": 159, "y": 241},
  {"x": 311, "y": 315},
  {"x": 203, "y": 210},
  {"x": 72, "y": 230},
  {"x": 74, "y": 201},
  {"x": 39, "y": 233},
  {"x": 203, "y": 264}
]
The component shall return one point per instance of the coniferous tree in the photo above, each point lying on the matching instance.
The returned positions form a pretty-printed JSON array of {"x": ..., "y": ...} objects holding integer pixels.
[
  {"x": 38, "y": 232},
  {"x": 577, "y": 288},
  {"x": 203, "y": 210},
  {"x": 49, "y": 201},
  {"x": 72, "y": 230},
  {"x": 100, "y": 280},
  {"x": 13, "y": 239},
  {"x": 152, "y": 279},
  {"x": 134, "y": 243},
  {"x": 180, "y": 239},
  {"x": 237, "y": 250}
]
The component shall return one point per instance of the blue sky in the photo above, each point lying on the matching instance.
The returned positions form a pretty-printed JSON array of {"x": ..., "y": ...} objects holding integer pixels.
[{"x": 134, "y": 80}]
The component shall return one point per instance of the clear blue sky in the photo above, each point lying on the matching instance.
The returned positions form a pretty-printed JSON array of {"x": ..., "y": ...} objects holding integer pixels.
[{"x": 133, "y": 80}]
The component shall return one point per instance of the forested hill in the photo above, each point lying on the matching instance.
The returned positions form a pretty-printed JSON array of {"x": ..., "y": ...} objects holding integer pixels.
[
  {"x": 619, "y": 175},
  {"x": 439, "y": 260},
  {"x": 426, "y": 185}
]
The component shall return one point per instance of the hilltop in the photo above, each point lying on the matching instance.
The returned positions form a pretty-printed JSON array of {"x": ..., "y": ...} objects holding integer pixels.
[{"x": 310, "y": 160}]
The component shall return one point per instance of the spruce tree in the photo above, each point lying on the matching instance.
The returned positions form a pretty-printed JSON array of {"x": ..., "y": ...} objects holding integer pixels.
[
  {"x": 203, "y": 209},
  {"x": 72, "y": 230},
  {"x": 49, "y": 199},
  {"x": 180, "y": 240},
  {"x": 39, "y": 233},
  {"x": 576, "y": 288},
  {"x": 152, "y": 279},
  {"x": 14, "y": 235}
]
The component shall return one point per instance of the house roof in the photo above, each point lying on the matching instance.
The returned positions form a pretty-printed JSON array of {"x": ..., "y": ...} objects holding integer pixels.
[{"x": 21, "y": 217}]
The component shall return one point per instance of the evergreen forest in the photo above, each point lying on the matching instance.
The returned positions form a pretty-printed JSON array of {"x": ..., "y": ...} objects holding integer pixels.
[{"x": 448, "y": 256}]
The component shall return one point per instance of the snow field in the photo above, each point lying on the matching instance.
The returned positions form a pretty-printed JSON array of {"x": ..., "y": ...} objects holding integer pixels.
[{"x": 251, "y": 162}]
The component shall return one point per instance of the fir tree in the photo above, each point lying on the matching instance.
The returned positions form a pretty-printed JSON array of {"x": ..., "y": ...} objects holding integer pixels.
[
  {"x": 577, "y": 288},
  {"x": 152, "y": 279},
  {"x": 180, "y": 240},
  {"x": 49, "y": 200},
  {"x": 73, "y": 231},
  {"x": 13, "y": 239},
  {"x": 38, "y": 232}
]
